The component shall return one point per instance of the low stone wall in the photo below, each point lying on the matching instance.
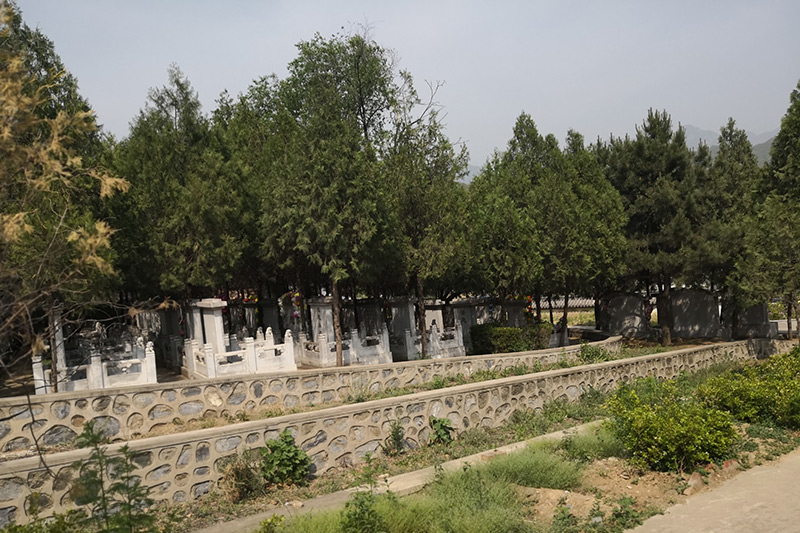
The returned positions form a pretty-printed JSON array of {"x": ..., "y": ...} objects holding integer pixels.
[
  {"x": 187, "y": 465},
  {"x": 130, "y": 412}
]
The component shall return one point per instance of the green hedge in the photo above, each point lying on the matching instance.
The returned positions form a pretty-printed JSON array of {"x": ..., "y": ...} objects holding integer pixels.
[{"x": 494, "y": 338}]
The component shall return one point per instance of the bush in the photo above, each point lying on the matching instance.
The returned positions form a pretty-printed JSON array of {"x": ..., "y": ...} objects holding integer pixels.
[
  {"x": 494, "y": 338},
  {"x": 766, "y": 393},
  {"x": 283, "y": 462},
  {"x": 664, "y": 431}
]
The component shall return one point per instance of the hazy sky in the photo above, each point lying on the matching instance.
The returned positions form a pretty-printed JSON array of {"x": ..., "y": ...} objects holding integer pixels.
[{"x": 592, "y": 66}]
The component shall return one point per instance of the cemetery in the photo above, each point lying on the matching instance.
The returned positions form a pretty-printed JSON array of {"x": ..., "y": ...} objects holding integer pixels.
[{"x": 314, "y": 266}]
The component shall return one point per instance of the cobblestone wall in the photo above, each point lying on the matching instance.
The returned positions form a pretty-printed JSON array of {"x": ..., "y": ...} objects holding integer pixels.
[
  {"x": 184, "y": 466},
  {"x": 131, "y": 412}
]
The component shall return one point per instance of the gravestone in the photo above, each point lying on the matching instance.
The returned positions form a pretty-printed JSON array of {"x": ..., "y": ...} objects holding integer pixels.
[
  {"x": 752, "y": 322},
  {"x": 694, "y": 314},
  {"x": 626, "y": 315}
]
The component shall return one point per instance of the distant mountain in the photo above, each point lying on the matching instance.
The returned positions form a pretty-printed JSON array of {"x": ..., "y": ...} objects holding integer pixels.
[
  {"x": 761, "y": 141},
  {"x": 760, "y": 138},
  {"x": 762, "y": 150},
  {"x": 694, "y": 135}
]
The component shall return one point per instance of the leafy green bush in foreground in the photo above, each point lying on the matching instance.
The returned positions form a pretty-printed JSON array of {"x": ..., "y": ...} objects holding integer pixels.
[
  {"x": 665, "y": 431},
  {"x": 766, "y": 393}
]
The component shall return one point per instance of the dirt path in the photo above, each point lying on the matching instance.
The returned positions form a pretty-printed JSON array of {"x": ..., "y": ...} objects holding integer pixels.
[{"x": 764, "y": 498}]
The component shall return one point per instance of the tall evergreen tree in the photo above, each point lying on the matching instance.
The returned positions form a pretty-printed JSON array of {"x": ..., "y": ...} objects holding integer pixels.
[
  {"x": 423, "y": 168},
  {"x": 338, "y": 93},
  {"x": 177, "y": 236},
  {"x": 653, "y": 172}
]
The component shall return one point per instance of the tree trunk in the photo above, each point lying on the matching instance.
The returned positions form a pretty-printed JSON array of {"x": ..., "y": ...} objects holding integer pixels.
[
  {"x": 302, "y": 304},
  {"x": 789, "y": 317},
  {"x": 356, "y": 322},
  {"x": 259, "y": 309},
  {"x": 423, "y": 339},
  {"x": 563, "y": 338},
  {"x": 337, "y": 324},
  {"x": 230, "y": 311},
  {"x": 550, "y": 305},
  {"x": 55, "y": 365},
  {"x": 538, "y": 297},
  {"x": 597, "y": 318},
  {"x": 664, "y": 321}
]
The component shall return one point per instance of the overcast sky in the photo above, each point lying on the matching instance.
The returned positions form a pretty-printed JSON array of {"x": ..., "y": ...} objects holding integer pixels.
[{"x": 592, "y": 66}]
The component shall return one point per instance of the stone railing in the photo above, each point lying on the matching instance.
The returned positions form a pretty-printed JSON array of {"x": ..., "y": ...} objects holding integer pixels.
[
  {"x": 131, "y": 412},
  {"x": 187, "y": 465},
  {"x": 133, "y": 365},
  {"x": 260, "y": 355}
]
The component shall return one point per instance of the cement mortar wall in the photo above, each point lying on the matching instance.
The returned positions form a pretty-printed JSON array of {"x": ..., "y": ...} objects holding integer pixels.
[
  {"x": 187, "y": 465},
  {"x": 131, "y": 412}
]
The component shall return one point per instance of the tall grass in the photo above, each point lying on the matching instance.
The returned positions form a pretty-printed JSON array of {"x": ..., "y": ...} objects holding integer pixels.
[
  {"x": 597, "y": 444},
  {"x": 535, "y": 467},
  {"x": 466, "y": 501}
]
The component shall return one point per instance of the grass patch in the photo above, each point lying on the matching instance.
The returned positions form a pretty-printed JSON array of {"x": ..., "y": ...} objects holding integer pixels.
[
  {"x": 597, "y": 444},
  {"x": 535, "y": 467},
  {"x": 465, "y": 501},
  {"x": 580, "y": 318}
]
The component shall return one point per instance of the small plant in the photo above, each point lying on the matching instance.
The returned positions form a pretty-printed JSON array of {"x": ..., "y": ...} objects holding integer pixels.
[
  {"x": 273, "y": 524},
  {"x": 442, "y": 430},
  {"x": 242, "y": 478},
  {"x": 535, "y": 466},
  {"x": 240, "y": 416},
  {"x": 624, "y": 516},
  {"x": 283, "y": 462},
  {"x": 359, "y": 514},
  {"x": 589, "y": 354},
  {"x": 359, "y": 394},
  {"x": 438, "y": 382},
  {"x": 115, "y": 496},
  {"x": 590, "y": 446},
  {"x": 395, "y": 441}
]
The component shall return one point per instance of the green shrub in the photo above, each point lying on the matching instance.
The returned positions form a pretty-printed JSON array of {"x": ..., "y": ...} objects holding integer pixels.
[
  {"x": 360, "y": 516},
  {"x": 664, "y": 431},
  {"x": 769, "y": 392},
  {"x": 494, "y": 338},
  {"x": 537, "y": 336},
  {"x": 777, "y": 311},
  {"x": 441, "y": 431},
  {"x": 283, "y": 462}
]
